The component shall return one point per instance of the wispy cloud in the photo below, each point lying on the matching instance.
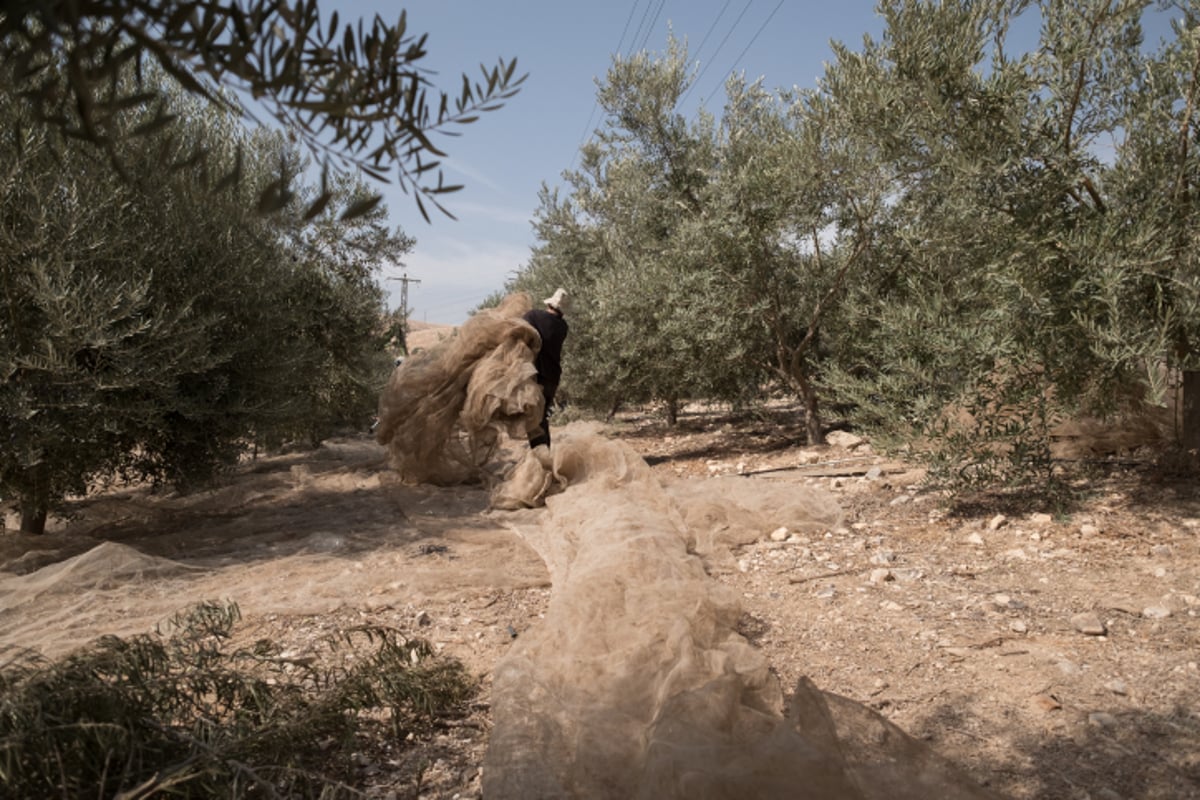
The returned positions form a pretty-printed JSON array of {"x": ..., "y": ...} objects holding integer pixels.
[
  {"x": 505, "y": 214},
  {"x": 474, "y": 175}
]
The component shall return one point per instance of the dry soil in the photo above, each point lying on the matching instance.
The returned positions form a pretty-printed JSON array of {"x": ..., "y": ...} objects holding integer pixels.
[{"x": 1049, "y": 651}]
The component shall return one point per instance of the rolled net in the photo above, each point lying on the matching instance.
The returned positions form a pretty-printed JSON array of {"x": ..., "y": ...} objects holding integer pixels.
[{"x": 444, "y": 409}]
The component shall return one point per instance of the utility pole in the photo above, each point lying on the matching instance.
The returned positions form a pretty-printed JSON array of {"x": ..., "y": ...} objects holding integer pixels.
[{"x": 404, "y": 282}]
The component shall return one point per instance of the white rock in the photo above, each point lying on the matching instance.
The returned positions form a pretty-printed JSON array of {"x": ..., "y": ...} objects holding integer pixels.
[
  {"x": 974, "y": 538},
  {"x": 891, "y": 605},
  {"x": 997, "y": 522},
  {"x": 843, "y": 439},
  {"x": 1089, "y": 623},
  {"x": 883, "y": 557},
  {"x": 881, "y": 575},
  {"x": 1017, "y": 626},
  {"x": 1156, "y": 612},
  {"x": 1040, "y": 519},
  {"x": 780, "y": 534},
  {"x": 1087, "y": 530},
  {"x": 1102, "y": 719}
]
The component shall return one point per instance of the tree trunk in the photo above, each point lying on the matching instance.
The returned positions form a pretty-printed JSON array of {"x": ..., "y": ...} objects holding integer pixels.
[
  {"x": 34, "y": 500},
  {"x": 673, "y": 412},
  {"x": 1190, "y": 418},
  {"x": 812, "y": 411},
  {"x": 33, "y": 520}
]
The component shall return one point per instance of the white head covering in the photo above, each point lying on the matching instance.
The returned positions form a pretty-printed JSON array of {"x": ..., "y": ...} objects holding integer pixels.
[{"x": 559, "y": 300}]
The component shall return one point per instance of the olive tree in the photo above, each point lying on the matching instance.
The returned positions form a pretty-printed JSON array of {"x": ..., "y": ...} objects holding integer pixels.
[
  {"x": 154, "y": 331},
  {"x": 354, "y": 94}
]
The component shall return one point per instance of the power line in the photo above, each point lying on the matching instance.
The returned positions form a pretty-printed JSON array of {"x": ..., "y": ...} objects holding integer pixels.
[
  {"x": 755, "y": 37},
  {"x": 583, "y": 137},
  {"x": 712, "y": 27},
  {"x": 715, "y": 52},
  {"x": 628, "y": 19},
  {"x": 650, "y": 27},
  {"x": 641, "y": 22}
]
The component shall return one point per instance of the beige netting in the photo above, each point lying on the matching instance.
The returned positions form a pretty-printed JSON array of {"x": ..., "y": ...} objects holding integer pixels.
[
  {"x": 636, "y": 683},
  {"x": 443, "y": 409}
]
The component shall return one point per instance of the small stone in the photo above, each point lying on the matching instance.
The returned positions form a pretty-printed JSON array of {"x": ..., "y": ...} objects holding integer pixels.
[
  {"x": 891, "y": 605},
  {"x": 1016, "y": 554},
  {"x": 1088, "y": 530},
  {"x": 779, "y": 534},
  {"x": 1102, "y": 719},
  {"x": 1089, "y": 623},
  {"x": 1046, "y": 703},
  {"x": 1017, "y": 626},
  {"x": 907, "y": 575},
  {"x": 843, "y": 439},
  {"x": 997, "y": 522},
  {"x": 1156, "y": 612},
  {"x": 1161, "y": 550},
  {"x": 743, "y": 565},
  {"x": 1067, "y": 667},
  {"x": 901, "y": 500},
  {"x": 1040, "y": 519},
  {"x": 883, "y": 558},
  {"x": 1117, "y": 686},
  {"x": 423, "y": 619},
  {"x": 974, "y": 538},
  {"x": 881, "y": 575}
]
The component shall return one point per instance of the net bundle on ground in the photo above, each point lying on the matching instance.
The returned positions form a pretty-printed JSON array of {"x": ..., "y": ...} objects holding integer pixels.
[
  {"x": 443, "y": 410},
  {"x": 637, "y": 685}
]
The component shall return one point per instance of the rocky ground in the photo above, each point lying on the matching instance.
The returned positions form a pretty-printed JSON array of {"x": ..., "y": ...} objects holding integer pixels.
[{"x": 1049, "y": 651}]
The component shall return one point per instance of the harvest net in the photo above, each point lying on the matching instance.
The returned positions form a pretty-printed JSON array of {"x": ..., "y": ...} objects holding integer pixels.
[
  {"x": 443, "y": 410},
  {"x": 636, "y": 684}
]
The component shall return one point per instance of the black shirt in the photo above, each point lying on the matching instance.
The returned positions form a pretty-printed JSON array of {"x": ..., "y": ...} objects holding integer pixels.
[{"x": 552, "y": 328}]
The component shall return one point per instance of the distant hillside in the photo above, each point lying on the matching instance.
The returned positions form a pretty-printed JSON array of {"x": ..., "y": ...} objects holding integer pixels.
[{"x": 422, "y": 335}]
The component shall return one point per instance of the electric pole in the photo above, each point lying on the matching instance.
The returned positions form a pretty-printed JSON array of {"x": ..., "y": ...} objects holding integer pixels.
[{"x": 404, "y": 282}]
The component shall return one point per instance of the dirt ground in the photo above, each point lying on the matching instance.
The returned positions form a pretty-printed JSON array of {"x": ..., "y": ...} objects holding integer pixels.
[{"x": 1051, "y": 653}]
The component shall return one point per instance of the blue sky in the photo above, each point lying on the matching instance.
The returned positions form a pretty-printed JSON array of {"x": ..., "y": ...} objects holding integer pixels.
[{"x": 566, "y": 46}]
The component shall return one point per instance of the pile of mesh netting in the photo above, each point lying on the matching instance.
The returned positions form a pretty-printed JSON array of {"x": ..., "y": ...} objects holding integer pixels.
[
  {"x": 636, "y": 683},
  {"x": 444, "y": 409}
]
